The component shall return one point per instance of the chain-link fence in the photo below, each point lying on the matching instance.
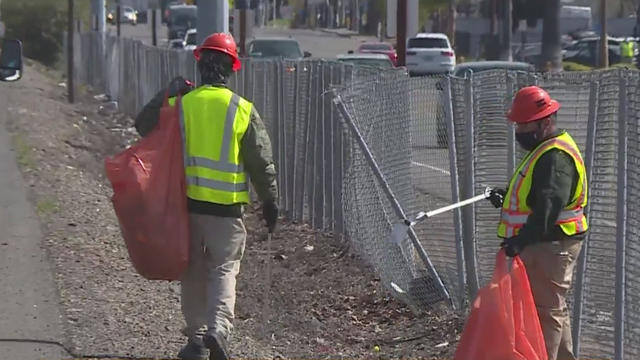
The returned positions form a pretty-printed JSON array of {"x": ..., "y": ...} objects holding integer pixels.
[
  {"x": 320, "y": 182},
  {"x": 411, "y": 144},
  {"x": 599, "y": 109}
]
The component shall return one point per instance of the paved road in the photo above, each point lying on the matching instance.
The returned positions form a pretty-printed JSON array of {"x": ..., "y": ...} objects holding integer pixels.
[
  {"x": 318, "y": 43},
  {"x": 29, "y": 301}
]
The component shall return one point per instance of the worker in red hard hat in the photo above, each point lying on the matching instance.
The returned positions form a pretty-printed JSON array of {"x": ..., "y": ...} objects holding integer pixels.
[
  {"x": 542, "y": 218},
  {"x": 225, "y": 144}
]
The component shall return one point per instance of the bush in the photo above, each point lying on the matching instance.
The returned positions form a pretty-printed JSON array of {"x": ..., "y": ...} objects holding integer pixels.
[
  {"x": 39, "y": 24},
  {"x": 571, "y": 66},
  {"x": 625, "y": 66}
]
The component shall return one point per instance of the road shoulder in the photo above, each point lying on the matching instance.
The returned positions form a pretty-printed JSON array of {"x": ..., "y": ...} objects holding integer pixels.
[{"x": 29, "y": 310}]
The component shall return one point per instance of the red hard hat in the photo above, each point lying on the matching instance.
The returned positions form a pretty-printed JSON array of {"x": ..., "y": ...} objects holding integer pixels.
[
  {"x": 530, "y": 104},
  {"x": 222, "y": 42}
]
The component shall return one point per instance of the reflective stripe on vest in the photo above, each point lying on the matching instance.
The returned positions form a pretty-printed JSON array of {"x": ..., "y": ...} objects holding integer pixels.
[
  {"x": 213, "y": 165},
  {"x": 515, "y": 210}
]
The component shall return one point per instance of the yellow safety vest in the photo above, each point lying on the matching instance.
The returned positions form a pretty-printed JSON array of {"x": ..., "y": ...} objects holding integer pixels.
[
  {"x": 213, "y": 121},
  {"x": 626, "y": 48},
  {"x": 515, "y": 209}
]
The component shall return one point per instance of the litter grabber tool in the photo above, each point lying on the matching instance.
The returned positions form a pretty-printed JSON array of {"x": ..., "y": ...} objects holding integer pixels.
[
  {"x": 266, "y": 309},
  {"x": 399, "y": 231}
]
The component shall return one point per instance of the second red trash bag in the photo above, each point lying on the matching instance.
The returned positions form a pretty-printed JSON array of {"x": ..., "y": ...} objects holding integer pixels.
[
  {"x": 503, "y": 324},
  {"x": 149, "y": 198}
]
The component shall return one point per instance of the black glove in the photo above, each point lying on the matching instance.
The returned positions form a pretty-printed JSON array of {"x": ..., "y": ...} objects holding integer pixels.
[
  {"x": 513, "y": 246},
  {"x": 496, "y": 196},
  {"x": 179, "y": 85},
  {"x": 270, "y": 214}
]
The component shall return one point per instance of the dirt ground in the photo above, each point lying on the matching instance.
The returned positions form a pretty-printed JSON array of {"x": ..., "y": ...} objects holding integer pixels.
[{"x": 323, "y": 302}]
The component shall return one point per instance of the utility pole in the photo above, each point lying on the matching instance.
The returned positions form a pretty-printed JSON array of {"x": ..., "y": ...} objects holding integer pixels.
[
  {"x": 70, "y": 33},
  {"x": 357, "y": 18},
  {"x": 401, "y": 32},
  {"x": 494, "y": 17},
  {"x": 242, "y": 6},
  {"x": 243, "y": 31},
  {"x": 2, "y": 26},
  {"x": 507, "y": 23},
  {"x": 213, "y": 17},
  {"x": 98, "y": 16},
  {"x": 604, "y": 46},
  {"x": 118, "y": 10},
  {"x": 274, "y": 12},
  {"x": 154, "y": 28},
  {"x": 451, "y": 25},
  {"x": 551, "y": 59},
  {"x": 102, "y": 16}
]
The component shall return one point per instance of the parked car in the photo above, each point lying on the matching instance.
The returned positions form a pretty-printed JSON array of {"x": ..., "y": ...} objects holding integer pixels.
[
  {"x": 190, "y": 40},
  {"x": 581, "y": 34},
  {"x": 177, "y": 44},
  {"x": 380, "y": 48},
  {"x": 465, "y": 69},
  {"x": 430, "y": 53},
  {"x": 529, "y": 53},
  {"x": 141, "y": 13},
  {"x": 586, "y": 51},
  {"x": 372, "y": 60},
  {"x": 286, "y": 48},
  {"x": 111, "y": 15},
  {"x": 181, "y": 18},
  {"x": 127, "y": 15}
]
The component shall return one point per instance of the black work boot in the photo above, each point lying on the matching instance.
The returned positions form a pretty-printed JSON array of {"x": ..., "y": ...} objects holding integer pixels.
[
  {"x": 194, "y": 350},
  {"x": 217, "y": 345}
]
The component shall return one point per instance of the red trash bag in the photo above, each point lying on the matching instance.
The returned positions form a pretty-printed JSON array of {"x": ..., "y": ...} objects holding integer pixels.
[
  {"x": 503, "y": 324},
  {"x": 149, "y": 198}
]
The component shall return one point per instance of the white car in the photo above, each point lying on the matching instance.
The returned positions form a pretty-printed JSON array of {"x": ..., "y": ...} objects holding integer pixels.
[
  {"x": 430, "y": 53},
  {"x": 129, "y": 15},
  {"x": 190, "y": 40}
]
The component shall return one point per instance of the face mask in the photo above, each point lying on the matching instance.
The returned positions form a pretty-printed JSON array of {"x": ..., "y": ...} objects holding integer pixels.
[{"x": 527, "y": 140}]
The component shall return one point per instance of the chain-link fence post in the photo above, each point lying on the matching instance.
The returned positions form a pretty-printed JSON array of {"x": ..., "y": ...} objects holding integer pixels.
[
  {"x": 582, "y": 259},
  {"x": 292, "y": 116},
  {"x": 469, "y": 274},
  {"x": 511, "y": 137},
  {"x": 312, "y": 120},
  {"x": 327, "y": 164},
  {"x": 461, "y": 248},
  {"x": 621, "y": 222},
  {"x": 281, "y": 125},
  {"x": 318, "y": 174},
  {"x": 338, "y": 157},
  {"x": 274, "y": 125},
  {"x": 302, "y": 167}
]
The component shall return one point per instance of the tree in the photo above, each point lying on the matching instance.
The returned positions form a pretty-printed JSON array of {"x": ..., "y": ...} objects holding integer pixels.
[
  {"x": 427, "y": 8},
  {"x": 505, "y": 51},
  {"x": 39, "y": 25},
  {"x": 549, "y": 12},
  {"x": 624, "y": 8},
  {"x": 551, "y": 57}
]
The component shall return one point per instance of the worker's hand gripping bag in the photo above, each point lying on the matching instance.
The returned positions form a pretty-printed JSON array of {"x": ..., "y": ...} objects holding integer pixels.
[
  {"x": 503, "y": 324},
  {"x": 149, "y": 198}
]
